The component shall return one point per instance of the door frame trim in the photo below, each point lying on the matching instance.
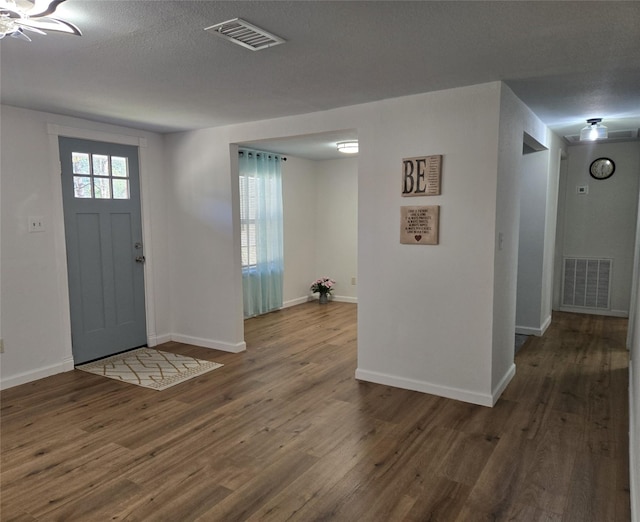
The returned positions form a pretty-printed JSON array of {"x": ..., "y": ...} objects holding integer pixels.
[{"x": 57, "y": 223}]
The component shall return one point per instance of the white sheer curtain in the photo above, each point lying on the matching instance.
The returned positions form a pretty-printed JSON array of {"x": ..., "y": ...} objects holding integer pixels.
[{"x": 261, "y": 229}]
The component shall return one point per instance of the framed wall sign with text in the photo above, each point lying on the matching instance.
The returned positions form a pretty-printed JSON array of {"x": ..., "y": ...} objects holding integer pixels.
[
  {"x": 422, "y": 176},
  {"x": 419, "y": 225}
]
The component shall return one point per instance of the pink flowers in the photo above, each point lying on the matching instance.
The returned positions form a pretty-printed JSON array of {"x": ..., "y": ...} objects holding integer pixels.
[{"x": 324, "y": 285}]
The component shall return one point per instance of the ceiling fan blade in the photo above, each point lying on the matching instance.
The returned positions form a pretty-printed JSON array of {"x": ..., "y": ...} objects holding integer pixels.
[
  {"x": 43, "y": 7},
  {"x": 24, "y": 27},
  {"x": 50, "y": 24},
  {"x": 20, "y": 34}
]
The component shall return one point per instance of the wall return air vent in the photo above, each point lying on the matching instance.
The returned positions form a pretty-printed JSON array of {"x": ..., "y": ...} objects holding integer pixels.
[
  {"x": 586, "y": 283},
  {"x": 245, "y": 34}
]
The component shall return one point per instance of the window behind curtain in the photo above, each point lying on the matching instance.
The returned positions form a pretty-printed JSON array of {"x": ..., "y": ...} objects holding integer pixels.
[
  {"x": 248, "y": 220},
  {"x": 261, "y": 231}
]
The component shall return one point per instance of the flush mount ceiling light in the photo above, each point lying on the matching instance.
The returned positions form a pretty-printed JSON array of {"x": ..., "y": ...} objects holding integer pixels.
[
  {"x": 18, "y": 16},
  {"x": 247, "y": 35},
  {"x": 593, "y": 130},
  {"x": 348, "y": 147}
]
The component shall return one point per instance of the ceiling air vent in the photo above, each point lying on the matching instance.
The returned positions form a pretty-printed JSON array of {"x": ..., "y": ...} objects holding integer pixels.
[
  {"x": 245, "y": 34},
  {"x": 623, "y": 135}
]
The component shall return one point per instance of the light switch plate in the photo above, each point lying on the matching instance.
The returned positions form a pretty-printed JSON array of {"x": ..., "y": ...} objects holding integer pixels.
[{"x": 36, "y": 224}]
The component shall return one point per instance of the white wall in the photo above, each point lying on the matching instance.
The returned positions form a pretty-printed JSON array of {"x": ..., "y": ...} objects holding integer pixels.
[
  {"x": 438, "y": 319},
  {"x": 601, "y": 224},
  {"x": 559, "y": 247},
  {"x": 425, "y": 311},
  {"x": 336, "y": 206},
  {"x": 533, "y": 204},
  {"x": 426, "y": 314},
  {"x": 634, "y": 405},
  {"x": 34, "y": 293},
  {"x": 557, "y": 150},
  {"x": 538, "y": 210},
  {"x": 1, "y": 339},
  {"x": 204, "y": 224},
  {"x": 515, "y": 120},
  {"x": 299, "y": 186}
]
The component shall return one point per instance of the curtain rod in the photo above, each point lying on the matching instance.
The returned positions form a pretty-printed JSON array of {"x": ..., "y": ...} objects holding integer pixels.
[{"x": 258, "y": 153}]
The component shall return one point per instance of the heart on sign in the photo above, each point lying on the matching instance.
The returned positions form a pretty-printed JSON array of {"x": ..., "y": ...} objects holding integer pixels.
[{"x": 418, "y": 237}]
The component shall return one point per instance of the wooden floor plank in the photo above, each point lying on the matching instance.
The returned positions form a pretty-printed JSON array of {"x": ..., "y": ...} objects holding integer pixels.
[
  {"x": 283, "y": 431},
  {"x": 184, "y": 495}
]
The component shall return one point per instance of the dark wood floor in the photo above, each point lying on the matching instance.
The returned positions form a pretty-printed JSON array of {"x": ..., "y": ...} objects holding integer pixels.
[{"x": 284, "y": 432}]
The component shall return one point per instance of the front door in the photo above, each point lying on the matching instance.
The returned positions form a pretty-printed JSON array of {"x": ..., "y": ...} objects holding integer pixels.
[{"x": 105, "y": 258}]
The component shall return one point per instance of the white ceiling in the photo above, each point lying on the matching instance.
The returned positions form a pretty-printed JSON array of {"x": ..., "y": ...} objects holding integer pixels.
[{"x": 149, "y": 64}]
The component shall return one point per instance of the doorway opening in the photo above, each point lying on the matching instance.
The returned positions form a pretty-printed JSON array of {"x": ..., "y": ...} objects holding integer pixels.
[{"x": 319, "y": 208}]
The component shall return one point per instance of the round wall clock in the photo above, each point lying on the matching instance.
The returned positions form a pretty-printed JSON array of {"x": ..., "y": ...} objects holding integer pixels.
[{"x": 602, "y": 168}]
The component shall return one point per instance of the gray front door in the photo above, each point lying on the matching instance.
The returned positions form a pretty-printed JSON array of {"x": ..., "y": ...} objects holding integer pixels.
[{"x": 105, "y": 258}]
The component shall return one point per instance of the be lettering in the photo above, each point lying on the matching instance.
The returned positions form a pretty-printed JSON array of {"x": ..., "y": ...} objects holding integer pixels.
[
  {"x": 421, "y": 176},
  {"x": 413, "y": 178}
]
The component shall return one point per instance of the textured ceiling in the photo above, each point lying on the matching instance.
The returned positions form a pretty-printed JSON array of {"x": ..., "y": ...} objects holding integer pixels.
[{"x": 151, "y": 65}]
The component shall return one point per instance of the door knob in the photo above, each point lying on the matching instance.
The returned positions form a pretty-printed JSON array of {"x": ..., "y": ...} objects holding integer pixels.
[{"x": 140, "y": 259}]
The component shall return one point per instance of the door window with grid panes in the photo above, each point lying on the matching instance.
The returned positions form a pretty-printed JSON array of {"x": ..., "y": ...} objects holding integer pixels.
[{"x": 100, "y": 176}]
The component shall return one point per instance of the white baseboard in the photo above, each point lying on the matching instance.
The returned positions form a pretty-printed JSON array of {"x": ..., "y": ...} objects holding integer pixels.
[
  {"x": 155, "y": 340},
  {"x": 339, "y": 299},
  {"x": 307, "y": 298},
  {"x": 209, "y": 343},
  {"x": 594, "y": 311},
  {"x": 425, "y": 387},
  {"x": 295, "y": 302},
  {"x": 34, "y": 375},
  {"x": 68, "y": 365},
  {"x": 538, "y": 332},
  {"x": 345, "y": 299},
  {"x": 634, "y": 447},
  {"x": 504, "y": 382}
]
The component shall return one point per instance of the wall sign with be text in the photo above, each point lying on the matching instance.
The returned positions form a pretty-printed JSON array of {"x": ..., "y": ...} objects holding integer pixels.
[{"x": 421, "y": 176}]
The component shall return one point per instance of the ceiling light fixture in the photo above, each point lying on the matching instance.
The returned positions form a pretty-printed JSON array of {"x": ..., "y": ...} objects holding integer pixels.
[
  {"x": 348, "y": 147},
  {"x": 593, "y": 130},
  {"x": 18, "y": 16}
]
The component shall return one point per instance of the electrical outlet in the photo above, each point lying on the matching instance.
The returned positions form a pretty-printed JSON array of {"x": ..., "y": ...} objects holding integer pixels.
[
  {"x": 36, "y": 224},
  {"x": 353, "y": 281}
]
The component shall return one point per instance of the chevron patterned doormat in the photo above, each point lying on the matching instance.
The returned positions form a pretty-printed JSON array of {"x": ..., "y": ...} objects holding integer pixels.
[{"x": 150, "y": 368}]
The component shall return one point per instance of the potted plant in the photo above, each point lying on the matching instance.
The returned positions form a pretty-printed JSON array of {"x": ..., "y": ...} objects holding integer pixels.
[{"x": 324, "y": 287}]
